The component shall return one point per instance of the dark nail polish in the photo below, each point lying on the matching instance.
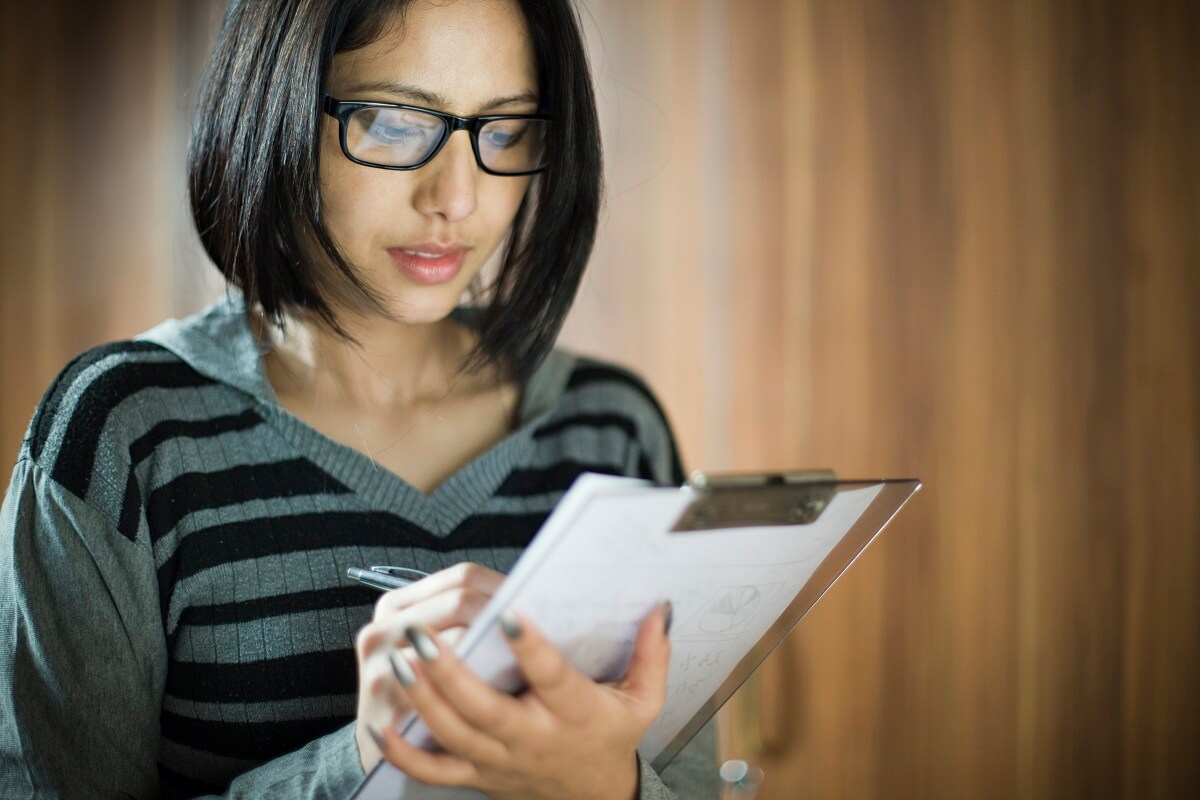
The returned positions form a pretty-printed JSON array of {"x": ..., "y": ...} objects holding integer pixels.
[
  {"x": 421, "y": 642},
  {"x": 377, "y": 737},
  {"x": 668, "y": 617},
  {"x": 404, "y": 673},
  {"x": 508, "y": 623}
]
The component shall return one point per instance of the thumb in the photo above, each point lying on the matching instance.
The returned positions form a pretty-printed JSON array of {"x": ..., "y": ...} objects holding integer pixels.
[{"x": 646, "y": 678}]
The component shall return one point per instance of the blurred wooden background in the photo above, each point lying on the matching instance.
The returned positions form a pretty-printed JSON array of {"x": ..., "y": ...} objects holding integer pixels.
[{"x": 956, "y": 240}]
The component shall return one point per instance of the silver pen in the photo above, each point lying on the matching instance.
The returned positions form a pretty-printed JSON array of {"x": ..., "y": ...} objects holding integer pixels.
[{"x": 386, "y": 578}]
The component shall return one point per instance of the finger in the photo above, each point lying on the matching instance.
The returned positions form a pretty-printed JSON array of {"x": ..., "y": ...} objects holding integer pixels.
[
  {"x": 451, "y": 636},
  {"x": 440, "y": 714},
  {"x": 646, "y": 678},
  {"x": 371, "y": 638},
  {"x": 381, "y": 638},
  {"x": 435, "y": 769},
  {"x": 452, "y": 608},
  {"x": 466, "y": 575},
  {"x": 448, "y": 638},
  {"x": 377, "y": 645},
  {"x": 558, "y": 685},
  {"x": 384, "y": 696},
  {"x": 372, "y": 646},
  {"x": 473, "y": 701}
]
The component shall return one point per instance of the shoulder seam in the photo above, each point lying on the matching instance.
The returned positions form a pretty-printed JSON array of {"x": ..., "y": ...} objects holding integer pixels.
[
  {"x": 113, "y": 522},
  {"x": 47, "y": 410},
  {"x": 64, "y": 441}
]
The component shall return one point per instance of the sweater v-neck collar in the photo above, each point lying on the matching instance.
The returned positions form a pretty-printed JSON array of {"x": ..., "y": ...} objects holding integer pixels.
[{"x": 219, "y": 344}]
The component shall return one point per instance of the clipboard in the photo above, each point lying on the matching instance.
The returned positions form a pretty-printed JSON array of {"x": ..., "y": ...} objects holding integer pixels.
[{"x": 742, "y": 557}]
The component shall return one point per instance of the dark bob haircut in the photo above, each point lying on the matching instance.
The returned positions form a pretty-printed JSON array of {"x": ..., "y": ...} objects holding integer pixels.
[{"x": 253, "y": 172}]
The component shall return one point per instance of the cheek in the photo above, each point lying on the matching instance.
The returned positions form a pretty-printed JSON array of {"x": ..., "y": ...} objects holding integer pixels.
[
  {"x": 346, "y": 189},
  {"x": 503, "y": 200},
  {"x": 334, "y": 179},
  {"x": 338, "y": 191}
]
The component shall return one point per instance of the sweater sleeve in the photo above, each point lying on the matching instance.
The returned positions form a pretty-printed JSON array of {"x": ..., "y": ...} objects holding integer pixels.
[
  {"x": 83, "y": 663},
  {"x": 692, "y": 774}
]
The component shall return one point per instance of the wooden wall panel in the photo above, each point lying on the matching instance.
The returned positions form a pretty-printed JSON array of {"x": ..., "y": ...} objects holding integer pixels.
[
  {"x": 97, "y": 239},
  {"x": 962, "y": 244},
  {"x": 957, "y": 240},
  {"x": 648, "y": 58},
  {"x": 26, "y": 280}
]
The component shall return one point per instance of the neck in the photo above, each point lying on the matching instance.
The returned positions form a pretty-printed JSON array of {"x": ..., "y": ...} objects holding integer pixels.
[{"x": 392, "y": 364}]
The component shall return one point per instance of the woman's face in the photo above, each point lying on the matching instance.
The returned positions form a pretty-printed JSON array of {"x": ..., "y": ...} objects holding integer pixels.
[{"x": 463, "y": 57}]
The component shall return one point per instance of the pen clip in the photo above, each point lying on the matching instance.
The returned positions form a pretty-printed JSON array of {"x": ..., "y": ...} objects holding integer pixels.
[{"x": 400, "y": 572}]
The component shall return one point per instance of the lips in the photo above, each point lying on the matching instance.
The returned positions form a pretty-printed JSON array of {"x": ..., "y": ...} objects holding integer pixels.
[{"x": 429, "y": 263}]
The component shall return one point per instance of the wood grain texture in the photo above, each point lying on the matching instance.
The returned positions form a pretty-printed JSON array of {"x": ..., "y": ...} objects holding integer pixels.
[
  {"x": 963, "y": 244},
  {"x": 97, "y": 239},
  {"x": 956, "y": 240}
]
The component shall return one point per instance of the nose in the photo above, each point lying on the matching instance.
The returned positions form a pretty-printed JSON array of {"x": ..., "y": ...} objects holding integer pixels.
[{"x": 447, "y": 187}]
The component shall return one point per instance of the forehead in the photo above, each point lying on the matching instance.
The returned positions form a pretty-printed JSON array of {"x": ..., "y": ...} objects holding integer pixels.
[{"x": 468, "y": 52}]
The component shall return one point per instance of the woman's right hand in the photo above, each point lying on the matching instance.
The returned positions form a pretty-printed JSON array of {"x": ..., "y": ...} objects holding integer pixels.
[{"x": 447, "y": 602}]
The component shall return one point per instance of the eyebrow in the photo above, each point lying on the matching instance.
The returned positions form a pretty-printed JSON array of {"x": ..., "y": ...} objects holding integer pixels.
[{"x": 434, "y": 99}]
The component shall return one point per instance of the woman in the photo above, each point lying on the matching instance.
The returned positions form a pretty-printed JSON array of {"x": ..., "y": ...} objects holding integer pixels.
[{"x": 185, "y": 506}]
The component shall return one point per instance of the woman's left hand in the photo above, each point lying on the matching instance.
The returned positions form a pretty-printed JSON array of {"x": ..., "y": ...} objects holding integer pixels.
[{"x": 565, "y": 737}]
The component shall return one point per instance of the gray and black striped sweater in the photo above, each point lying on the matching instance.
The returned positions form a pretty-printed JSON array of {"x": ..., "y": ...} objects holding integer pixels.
[{"x": 174, "y": 615}]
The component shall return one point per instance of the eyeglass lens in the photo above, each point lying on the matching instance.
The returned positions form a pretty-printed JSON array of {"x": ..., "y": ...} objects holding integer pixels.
[{"x": 399, "y": 137}]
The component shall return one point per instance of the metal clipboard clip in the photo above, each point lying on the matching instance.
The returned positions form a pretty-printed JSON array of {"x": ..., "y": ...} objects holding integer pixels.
[{"x": 756, "y": 500}]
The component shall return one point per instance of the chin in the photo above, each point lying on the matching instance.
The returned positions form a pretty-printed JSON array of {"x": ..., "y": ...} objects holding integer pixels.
[
  {"x": 423, "y": 310},
  {"x": 416, "y": 304}
]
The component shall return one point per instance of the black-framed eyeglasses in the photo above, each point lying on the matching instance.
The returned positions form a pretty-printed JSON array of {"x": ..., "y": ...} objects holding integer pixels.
[{"x": 392, "y": 136}]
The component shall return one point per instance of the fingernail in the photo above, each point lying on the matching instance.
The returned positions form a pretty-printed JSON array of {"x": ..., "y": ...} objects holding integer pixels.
[
  {"x": 404, "y": 673},
  {"x": 508, "y": 623},
  {"x": 377, "y": 737},
  {"x": 668, "y": 616},
  {"x": 421, "y": 642}
]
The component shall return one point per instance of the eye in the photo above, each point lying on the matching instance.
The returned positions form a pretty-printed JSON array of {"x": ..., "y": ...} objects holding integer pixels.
[
  {"x": 394, "y": 128},
  {"x": 503, "y": 139},
  {"x": 504, "y": 135},
  {"x": 396, "y": 133}
]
